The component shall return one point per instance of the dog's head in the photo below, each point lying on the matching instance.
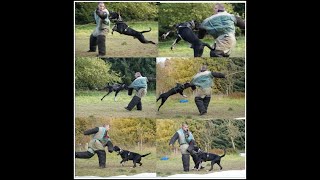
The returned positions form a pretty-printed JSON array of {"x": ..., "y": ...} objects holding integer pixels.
[
  {"x": 114, "y": 16},
  {"x": 116, "y": 149},
  {"x": 124, "y": 86},
  {"x": 187, "y": 85}
]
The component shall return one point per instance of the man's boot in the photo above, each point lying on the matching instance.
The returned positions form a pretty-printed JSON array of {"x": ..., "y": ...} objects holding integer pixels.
[
  {"x": 139, "y": 106},
  {"x": 102, "y": 158},
  {"x": 200, "y": 105},
  {"x": 93, "y": 44},
  {"x": 206, "y": 101},
  {"x": 102, "y": 45},
  {"x": 84, "y": 155},
  {"x": 134, "y": 101},
  {"x": 186, "y": 162}
]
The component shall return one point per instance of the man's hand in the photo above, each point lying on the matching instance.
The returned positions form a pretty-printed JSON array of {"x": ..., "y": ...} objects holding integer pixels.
[{"x": 185, "y": 96}]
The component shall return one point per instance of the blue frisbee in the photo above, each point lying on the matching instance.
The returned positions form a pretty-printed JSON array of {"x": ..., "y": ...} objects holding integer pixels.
[{"x": 183, "y": 100}]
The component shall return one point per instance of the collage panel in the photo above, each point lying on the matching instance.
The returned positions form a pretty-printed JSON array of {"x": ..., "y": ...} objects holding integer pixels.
[
  {"x": 116, "y": 29},
  {"x": 201, "y": 29},
  {"x": 115, "y": 87},
  {"x": 201, "y": 88},
  {"x": 192, "y": 148},
  {"x": 112, "y": 147}
]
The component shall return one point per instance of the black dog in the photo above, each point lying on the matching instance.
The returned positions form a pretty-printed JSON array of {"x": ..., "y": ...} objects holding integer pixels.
[
  {"x": 122, "y": 28},
  {"x": 185, "y": 32},
  {"x": 127, "y": 155},
  {"x": 116, "y": 88},
  {"x": 205, "y": 156},
  {"x": 178, "y": 89}
]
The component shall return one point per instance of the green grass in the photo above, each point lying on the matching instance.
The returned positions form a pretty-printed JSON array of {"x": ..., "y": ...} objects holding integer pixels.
[
  {"x": 88, "y": 103},
  {"x": 119, "y": 45},
  {"x": 174, "y": 165},
  {"x": 219, "y": 108},
  {"x": 90, "y": 167},
  {"x": 182, "y": 49}
]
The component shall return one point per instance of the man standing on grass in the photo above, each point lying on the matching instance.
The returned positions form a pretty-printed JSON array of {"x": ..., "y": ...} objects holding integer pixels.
[
  {"x": 140, "y": 85},
  {"x": 100, "y": 140},
  {"x": 203, "y": 81},
  {"x": 184, "y": 137},
  {"x": 98, "y": 36}
]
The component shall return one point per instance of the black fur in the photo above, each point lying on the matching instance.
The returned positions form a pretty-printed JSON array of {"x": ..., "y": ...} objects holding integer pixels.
[
  {"x": 114, "y": 88},
  {"x": 178, "y": 89},
  {"x": 122, "y": 28},
  {"x": 127, "y": 155},
  {"x": 205, "y": 156},
  {"x": 185, "y": 31}
]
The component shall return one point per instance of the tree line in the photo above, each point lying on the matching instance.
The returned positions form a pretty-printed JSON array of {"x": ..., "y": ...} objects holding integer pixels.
[
  {"x": 93, "y": 73},
  {"x": 137, "y": 11}
]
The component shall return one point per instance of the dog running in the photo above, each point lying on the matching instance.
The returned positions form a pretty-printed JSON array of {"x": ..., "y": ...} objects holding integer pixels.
[
  {"x": 128, "y": 155},
  {"x": 114, "y": 88}
]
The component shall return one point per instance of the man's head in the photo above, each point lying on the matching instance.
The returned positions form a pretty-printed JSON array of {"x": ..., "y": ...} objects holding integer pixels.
[
  {"x": 203, "y": 68},
  {"x": 107, "y": 126},
  {"x": 185, "y": 127},
  {"x": 137, "y": 74},
  {"x": 101, "y": 6},
  {"x": 218, "y": 8}
]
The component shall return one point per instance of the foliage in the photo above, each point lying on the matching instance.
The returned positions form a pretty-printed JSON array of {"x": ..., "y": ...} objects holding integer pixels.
[
  {"x": 91, "y": 73},
  {"x": 138, "y": 11},
  {"x": 128, "y": 66}
]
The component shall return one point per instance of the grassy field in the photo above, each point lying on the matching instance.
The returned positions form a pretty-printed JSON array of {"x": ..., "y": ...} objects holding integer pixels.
[
  {"x": 119, "y": 45},
  {"x": 182, "y": 49},
  {"x": 90, "y": 167},
  {"x": 174, "y": 165},
  {"x": 88, "y": 103},
  {"x": 220, "y": 107}
]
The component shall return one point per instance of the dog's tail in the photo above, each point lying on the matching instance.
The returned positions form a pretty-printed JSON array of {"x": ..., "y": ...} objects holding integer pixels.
[
  {"x": 145, "y": 155},
  {"x": 146, "y": 31},
  {"x": 206, "y": 44},
  {"x": 224, "y": 150}
]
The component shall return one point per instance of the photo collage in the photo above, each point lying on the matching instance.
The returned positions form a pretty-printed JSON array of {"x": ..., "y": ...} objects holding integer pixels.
[{"x": 160, "y": 89}]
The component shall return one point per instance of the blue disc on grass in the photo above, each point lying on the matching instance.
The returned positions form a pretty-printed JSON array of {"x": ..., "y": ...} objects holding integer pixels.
[{"x": 183, "y": 100}]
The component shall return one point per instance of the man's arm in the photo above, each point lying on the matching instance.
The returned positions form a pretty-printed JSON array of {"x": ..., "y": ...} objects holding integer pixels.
[
  {"x": 174, "y": 138},
  {"x": 217, "y": 75},
  {"x": 240, "y": 22},
  {"x": 91, "y": 131}
]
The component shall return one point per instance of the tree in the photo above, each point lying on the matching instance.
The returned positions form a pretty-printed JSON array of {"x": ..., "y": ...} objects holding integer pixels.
[{"x": 92, "y": 73}]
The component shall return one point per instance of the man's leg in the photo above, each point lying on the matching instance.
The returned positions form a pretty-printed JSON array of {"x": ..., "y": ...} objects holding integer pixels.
[
  {"x": 206, "y": 101},
  {"x": 185, "y": 157},
  {"x": 93, "y": 43},
  {"x": 200, "y": 105},
  {"x": 102, "y": 158},
  {"x": 84, "y": 155},
  {"x": 134, "y": 101},
  {"x": 102, "y": 45}
]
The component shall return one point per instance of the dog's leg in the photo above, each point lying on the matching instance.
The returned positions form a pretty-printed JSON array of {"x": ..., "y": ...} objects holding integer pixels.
[
  {"x": 115, "y": 96},
  {"x": 106, "y": 95},
  {"x": 212, "y": 163},
  {"x": 164, "y": 36},
  {"x": 175, "y": 42},
  {"x": 134, "y": 164},
  {"x": 218, "y": 162},
  {"x": 162, "y": 102}
]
